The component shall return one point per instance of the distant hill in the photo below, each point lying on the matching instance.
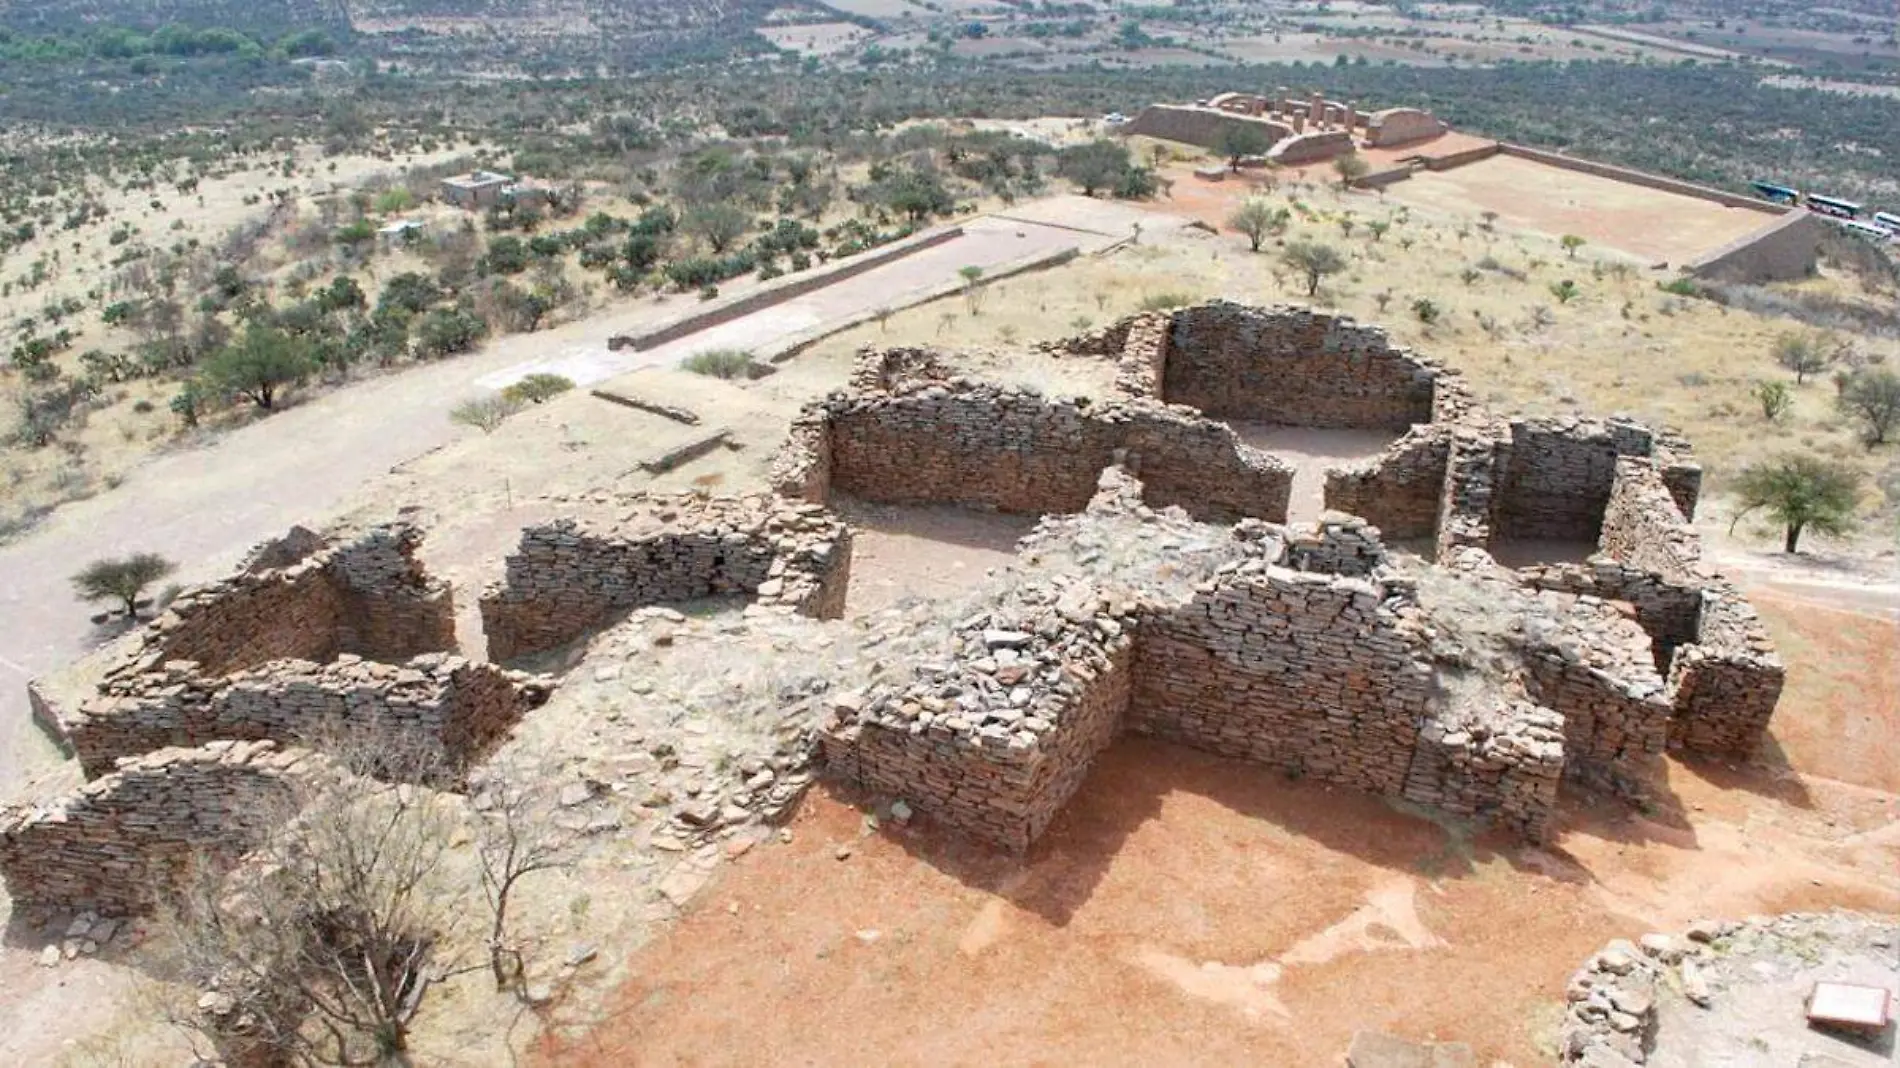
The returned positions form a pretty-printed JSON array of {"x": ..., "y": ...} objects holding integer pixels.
[{"x": 253, "y": 17}]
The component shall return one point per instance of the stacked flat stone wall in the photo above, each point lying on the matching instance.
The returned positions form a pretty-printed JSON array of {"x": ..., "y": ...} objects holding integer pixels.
[
  {"x": 1597, "y": 672},
  {"x": 1669, "y": 611},
  {"x": 1398, "y": 126},
  {"x": 434, "y": 703},
  {"x": 1311, "y": 147},
  {"x": 570, "y": 577},
  {"x": 1470, "y": 490},
  {"x": 1308, "y": 673},
  {"x": 1339, "y": 544},
  {"x": 1294, "y": 367},
  {"x": 1402, "y": 490},
  {"x": 1726, "y": 684},
  {"x": 1557, "y": 476},
  {"x": 119, "y": 843},
  {"x": 1013, "y": 450},
  {"x": 368, "y": 597},
  {"x": 1503, "y": 765},
  {"x": 992, "y": 742}
]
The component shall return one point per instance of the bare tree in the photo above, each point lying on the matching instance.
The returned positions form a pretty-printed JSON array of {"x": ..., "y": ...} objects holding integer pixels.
[
  {"x": 514, "y": 839},
  {"x": 319, "y": 945}
]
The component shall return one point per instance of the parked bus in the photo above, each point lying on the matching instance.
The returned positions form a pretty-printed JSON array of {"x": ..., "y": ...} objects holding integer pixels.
[
  {"x": 1887, "y": 221},
  {"x": 1866, "y": 230},
  {"x": 1780, "y": 194},
  {"x": 1840, "y": 209}
]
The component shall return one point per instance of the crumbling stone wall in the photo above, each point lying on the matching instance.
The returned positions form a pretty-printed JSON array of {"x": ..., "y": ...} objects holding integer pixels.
[
  {"x": 1401, "y": 490},
  {"x": 1339, "y": 544},
  {"x": 1726, "y": 684},
  {"x": 434, "y": 703},
  {"x": 1294, "y": 367},
  {"x": 1597, "y": 673},
  {"x": 569, "y": 577},
  {"x": 117, "y": 844},
  {"x": 1311, "y": 147},
  {"x": 369, "y": 597},
  {"x": 1501, "y": 763},
  {"x": 917, "y": 439}
]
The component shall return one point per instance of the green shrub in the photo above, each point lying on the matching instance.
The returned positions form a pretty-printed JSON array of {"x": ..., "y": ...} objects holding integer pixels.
[
  {"x": 720, "y": 363},
  {"x": 537, "y": 388}
]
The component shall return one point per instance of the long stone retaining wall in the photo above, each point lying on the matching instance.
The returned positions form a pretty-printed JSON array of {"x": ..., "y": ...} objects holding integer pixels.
[
  {"x": 1199, "y": 126},
  {"x": 570, "y": 577},
  {"x": 780, "y": 290},
  {"x": 1642, "y": 178},
  {"x": 1783, "y": 250}
]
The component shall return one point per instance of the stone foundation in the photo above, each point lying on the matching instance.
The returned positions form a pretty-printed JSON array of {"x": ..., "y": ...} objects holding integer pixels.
[{"x": 569, "y": 578}]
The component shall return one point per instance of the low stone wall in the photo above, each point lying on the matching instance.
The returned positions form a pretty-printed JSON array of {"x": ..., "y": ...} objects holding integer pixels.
[
  {"x": 1726, "y": 684},
  {"x": 119, "y": 843},
  {"x": 369, "y": 597},
  {"x": 1669, "y": 611},
  {"x": 1503, "y": 765},
  {"x": 1643, "y": 178},
  {"x": 1454, "y": 160},
  {"x": 1339, "y": 544},
  {"x": 1642, "y": 526},
  {"x": 1402, "y": 490},
  {"x": 570, "y": 577},
  {"x": 437, "y": 702},
  {"x": 1783, "y": 250},
  {"x": 1557, "y": 476},
  {"x": 780, "y": 290},
  {"x": 1191, "y": 125},
  {"x": 1597, "y": 672},
  {"x": 1294, "y": 367}
]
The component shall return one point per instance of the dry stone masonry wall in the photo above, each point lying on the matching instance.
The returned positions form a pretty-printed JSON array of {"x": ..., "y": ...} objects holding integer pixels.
[
  {"x": 120, "y": 841},
  {"x": 570, "y": 577},
  {"x": 437, "y": 703}
]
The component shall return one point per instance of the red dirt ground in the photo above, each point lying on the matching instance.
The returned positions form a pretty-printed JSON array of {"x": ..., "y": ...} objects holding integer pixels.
[{"x": 1185, "y": 909}]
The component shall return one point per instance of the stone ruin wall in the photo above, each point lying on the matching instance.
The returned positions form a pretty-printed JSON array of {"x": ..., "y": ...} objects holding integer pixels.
[
  {"x": 1302, "y": 672},
  {"x": 1294, "y": 367},
  {"x": 1013, "y": 450},
  {"x": 568, "y": 578},
  {"x": 1556, "y": 476},
  {"x": 1723, "y": 676},
  {"x": 1397, "y": 126},
  {"x": 1402, "y": 490},
  {"x": 1199, "y": 126},
  {"x": 435, "y": 703},
  {"x": 369, "y": 597},
  {"x": 118, "y": 843}
]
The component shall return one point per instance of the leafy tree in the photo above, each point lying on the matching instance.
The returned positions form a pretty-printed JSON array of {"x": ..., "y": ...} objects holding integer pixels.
[
  {"x": 719, "y": 225},
  {"x": 448, "y": 332},
  {"x": 1565, "y": 291},
  {"x": 412, "y": 292},
  {"x": 507, "y": 254},
  {"x": 1775, "y": 399},
  {"x": 1313, "y": 260},
  {"x": 1804, "y": 354},
  {"x": 259, "y": 365},
  {"x": 1800, "y": 492},
  {"x": 1094, "y": 166},
  {"x": 537, "y": 388},
  {"x": 1257, "y": 219},
  {"x": 1350, "y": 167},
  {"x": 917, "y": 192},
  {"x": 1571, "y": 243},
  {"x": 1426, "y": 310},
  {"x": 122, "y": 579},
  {"x": 1871, "y": 396},
  {"x": 342, "y": 293},
  {"x": 1240, "y": 139}
]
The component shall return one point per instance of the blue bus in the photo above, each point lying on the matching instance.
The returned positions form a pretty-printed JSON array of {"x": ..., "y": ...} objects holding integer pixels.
[
  {"x": 1780, "y": 194},
  {"x": 1840, "y": 209}
]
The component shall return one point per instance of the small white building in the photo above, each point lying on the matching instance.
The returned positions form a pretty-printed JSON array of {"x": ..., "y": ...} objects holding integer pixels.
[
  {"x": 400, "y": 232},
  {"x": 476, "y": 189}
]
